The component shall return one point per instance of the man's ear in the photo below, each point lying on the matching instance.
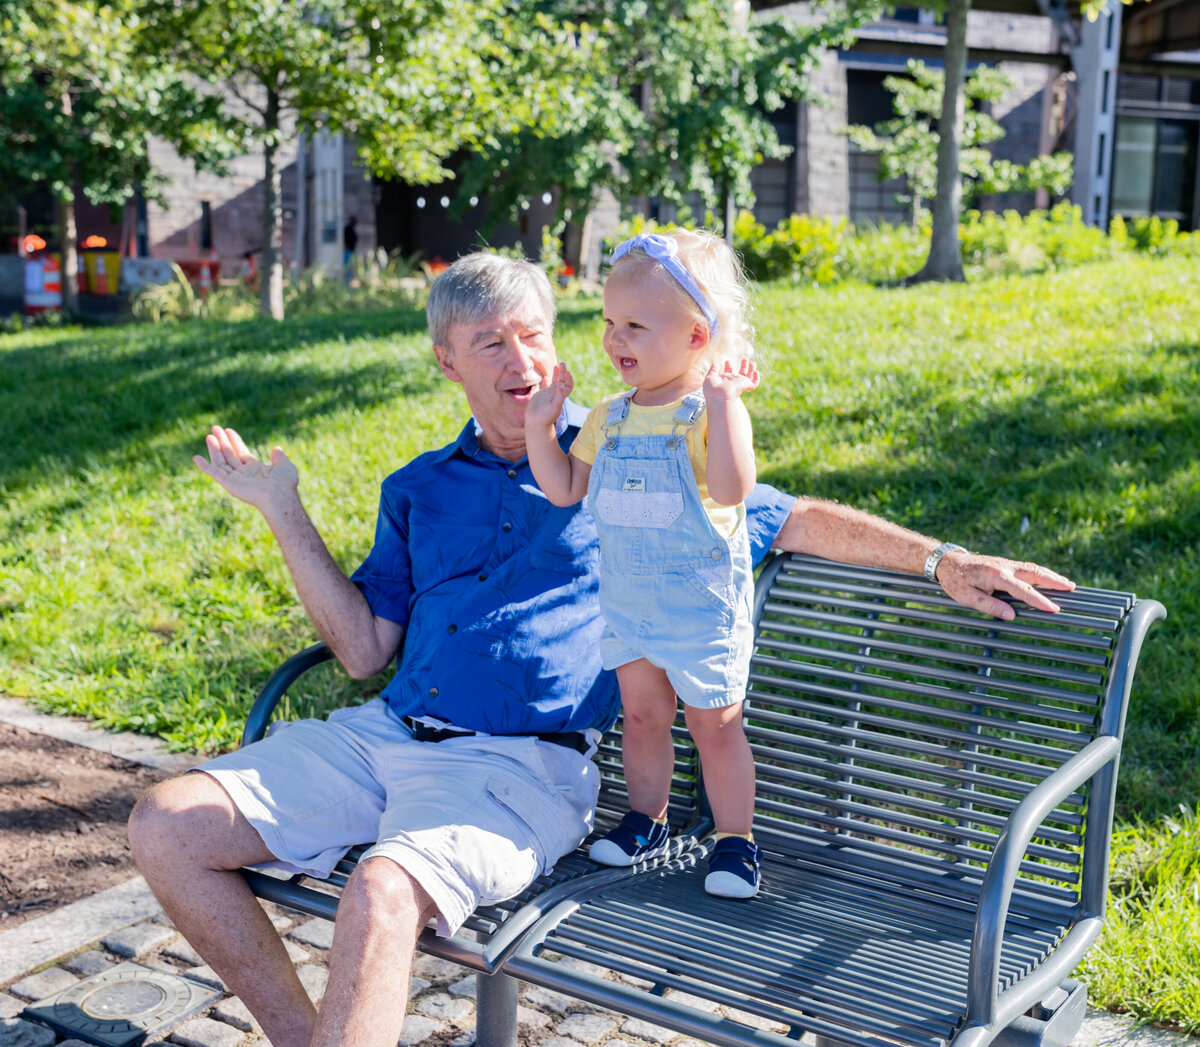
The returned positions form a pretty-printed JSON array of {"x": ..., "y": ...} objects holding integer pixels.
[{"x": 445, "y": 359}]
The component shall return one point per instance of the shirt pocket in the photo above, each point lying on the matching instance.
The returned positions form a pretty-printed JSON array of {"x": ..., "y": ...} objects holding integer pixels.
[{"x": 565, "y": 541}]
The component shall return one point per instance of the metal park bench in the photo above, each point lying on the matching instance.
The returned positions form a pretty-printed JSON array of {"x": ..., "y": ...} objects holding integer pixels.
[{"x": 934, "y": 803}]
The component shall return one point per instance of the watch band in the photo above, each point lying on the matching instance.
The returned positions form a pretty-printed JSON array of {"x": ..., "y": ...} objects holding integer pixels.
[{"x": 935, "y": 558}]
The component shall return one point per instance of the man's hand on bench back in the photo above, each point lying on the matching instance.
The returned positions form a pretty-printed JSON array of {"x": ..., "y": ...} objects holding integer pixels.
[
  {"x": 972, "y": 578},
  {"x": 837, "y": 532}
]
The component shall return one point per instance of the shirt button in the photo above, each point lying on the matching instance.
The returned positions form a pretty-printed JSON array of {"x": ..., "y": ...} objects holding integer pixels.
[
  {"x": 452, "y": 628},
  {"x": 512, "y": 474},
  {"x": 483, "y": 576},
  {"x": 433, "y": 692},
  {"x": 506, "y": 526},
  {"x": 715, "y": 554}
]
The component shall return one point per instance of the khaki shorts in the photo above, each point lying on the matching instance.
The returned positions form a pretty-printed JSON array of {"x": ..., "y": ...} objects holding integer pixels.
[{"x": 474, "y": 820}]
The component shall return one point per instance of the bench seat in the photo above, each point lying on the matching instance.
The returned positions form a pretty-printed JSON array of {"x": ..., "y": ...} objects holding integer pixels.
[{"x": 934, "y": 802}]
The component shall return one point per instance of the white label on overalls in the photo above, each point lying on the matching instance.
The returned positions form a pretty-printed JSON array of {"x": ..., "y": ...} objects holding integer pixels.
[{"x": 635, "y": 483}]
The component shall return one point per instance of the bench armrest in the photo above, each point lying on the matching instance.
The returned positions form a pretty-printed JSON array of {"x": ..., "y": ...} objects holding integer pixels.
[
  {"x": 986, "y": 1005},
  {"x": 276, "y": 687}
]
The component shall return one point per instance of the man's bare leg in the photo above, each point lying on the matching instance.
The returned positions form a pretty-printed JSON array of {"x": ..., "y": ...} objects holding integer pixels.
[
  {"x": 189, "y": 840},
  {"x": 381, "y": 912}
]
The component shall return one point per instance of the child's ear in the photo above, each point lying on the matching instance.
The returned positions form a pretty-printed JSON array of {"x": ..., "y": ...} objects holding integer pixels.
[{"x": 700, "y": 338}]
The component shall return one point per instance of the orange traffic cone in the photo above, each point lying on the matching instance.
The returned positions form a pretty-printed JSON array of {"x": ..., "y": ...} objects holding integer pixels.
[
  {"x": 52, "y": 283},
  {"x": 43, "y": 286},
  {"x": 205, "y": 280},
  {"x": 101, "y": 276}
]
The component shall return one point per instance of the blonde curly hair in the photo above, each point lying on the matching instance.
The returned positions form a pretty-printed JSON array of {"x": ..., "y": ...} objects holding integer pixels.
[{"x": 717, "y": 269}]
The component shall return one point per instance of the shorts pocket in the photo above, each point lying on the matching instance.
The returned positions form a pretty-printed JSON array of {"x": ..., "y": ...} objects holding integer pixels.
[
  {"x": 539, "y": 814},
  {"x": 714, "y": 584},
  {"x": 552, "y": 824}
]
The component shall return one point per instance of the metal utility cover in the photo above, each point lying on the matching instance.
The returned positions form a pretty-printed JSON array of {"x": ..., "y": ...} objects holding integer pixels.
[{"x": 124, "y": 1006}]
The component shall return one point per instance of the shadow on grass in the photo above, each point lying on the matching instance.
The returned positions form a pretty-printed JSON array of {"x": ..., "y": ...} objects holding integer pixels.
[
  {"x": 1104, "y": 486},
  {"x": 96, "y": 395}
]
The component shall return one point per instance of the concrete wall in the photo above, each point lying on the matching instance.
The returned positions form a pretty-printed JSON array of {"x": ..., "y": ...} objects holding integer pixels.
[
  {"x": 824, "y": 176},
  {"x": 12, "y": 276},
  {"x": 237, "y": 199}
]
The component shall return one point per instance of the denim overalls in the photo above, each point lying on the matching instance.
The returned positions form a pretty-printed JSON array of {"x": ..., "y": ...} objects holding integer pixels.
[{"x": 673, "y": 589}]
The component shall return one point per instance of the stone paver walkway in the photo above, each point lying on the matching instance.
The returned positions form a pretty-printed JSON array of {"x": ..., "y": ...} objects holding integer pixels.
[{"x": 53, "y": 952}]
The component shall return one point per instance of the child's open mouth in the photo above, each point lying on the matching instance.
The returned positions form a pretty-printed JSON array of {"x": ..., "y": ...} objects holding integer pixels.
[{"x": 626, "y": 362}]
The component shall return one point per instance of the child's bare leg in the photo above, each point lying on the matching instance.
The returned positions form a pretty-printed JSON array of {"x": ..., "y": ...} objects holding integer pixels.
[
  {"x": 648, "y": 701},
  {"x": 728, "y": 765}
]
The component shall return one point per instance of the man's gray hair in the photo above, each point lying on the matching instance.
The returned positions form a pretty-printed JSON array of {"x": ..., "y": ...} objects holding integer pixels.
[{"x": 481, "y": 286}]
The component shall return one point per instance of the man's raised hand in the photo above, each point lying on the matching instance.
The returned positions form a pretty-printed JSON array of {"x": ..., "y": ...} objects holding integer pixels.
[{"x": 232, "y": 464}]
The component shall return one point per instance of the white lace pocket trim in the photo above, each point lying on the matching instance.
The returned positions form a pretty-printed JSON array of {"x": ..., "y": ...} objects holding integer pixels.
[{"x": 627, "y": 509}]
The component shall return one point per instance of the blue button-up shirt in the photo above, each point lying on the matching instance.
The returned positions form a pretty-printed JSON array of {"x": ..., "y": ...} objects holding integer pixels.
[{"x": 498, "y": 591}]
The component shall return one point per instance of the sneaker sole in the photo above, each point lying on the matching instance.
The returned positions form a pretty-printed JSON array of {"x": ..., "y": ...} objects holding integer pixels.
[
  {"x": 605, "y": 852},
  {"x": 729, "y": 885}
]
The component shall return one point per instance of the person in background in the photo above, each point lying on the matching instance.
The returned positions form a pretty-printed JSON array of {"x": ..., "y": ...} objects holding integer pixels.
[{"x": 349, "y": 246}]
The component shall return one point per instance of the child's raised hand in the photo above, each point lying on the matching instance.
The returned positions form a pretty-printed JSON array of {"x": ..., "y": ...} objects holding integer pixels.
[
  {"x": 547, "y": 402},
  {"x": 728, "y": 384}
]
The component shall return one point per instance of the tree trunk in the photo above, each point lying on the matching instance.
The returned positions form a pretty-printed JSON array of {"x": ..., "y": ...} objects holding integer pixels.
[
  {"x": 271, "y": 275},
  {"x": 67, "y": 235},
  {"x": 945, "y": 251},
  {"x": 69, "y": 242}
]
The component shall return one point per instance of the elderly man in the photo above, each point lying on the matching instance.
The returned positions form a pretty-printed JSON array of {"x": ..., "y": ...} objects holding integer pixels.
[{"x": 472, "y": 770}]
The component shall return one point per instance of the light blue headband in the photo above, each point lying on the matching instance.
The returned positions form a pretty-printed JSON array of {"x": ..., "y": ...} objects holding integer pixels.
[{"x": 665, "y": 251}]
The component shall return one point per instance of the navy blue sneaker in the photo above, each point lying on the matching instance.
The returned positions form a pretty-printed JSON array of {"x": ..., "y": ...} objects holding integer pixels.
[
  {"x": 637, "y": 838},
  {"x": 733, "y": 868}
]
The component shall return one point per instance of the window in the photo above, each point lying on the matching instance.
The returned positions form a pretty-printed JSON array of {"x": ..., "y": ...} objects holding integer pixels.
[
  {"x": 872, "y": 201},
  {"x": 1155, "y": 168},
  {"x": 206, "y": 226}
]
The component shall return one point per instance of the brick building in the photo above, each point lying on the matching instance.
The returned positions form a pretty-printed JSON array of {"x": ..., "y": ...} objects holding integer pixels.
[{"x": 1123, "y": 93}]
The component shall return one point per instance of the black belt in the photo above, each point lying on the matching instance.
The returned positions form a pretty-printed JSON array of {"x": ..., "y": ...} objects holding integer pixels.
[{"x": 422, "y": 732}]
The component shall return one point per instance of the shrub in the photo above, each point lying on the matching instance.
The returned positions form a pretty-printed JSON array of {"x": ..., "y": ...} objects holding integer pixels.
[
  {"x": 810, "y": 249},
  {"x": 389, "y": 283},
  {"x": 1041, "y": 240},
  {"x": 886, "y": 254},
  {"x": 802, "y": 248}
]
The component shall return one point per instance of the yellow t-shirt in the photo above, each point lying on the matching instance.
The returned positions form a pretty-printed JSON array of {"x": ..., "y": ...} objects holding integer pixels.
[{"x": 659, "y": 421}]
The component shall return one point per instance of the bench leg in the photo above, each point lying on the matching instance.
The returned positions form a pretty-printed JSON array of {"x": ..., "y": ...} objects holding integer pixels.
[{"x": 495, "y": 1010}]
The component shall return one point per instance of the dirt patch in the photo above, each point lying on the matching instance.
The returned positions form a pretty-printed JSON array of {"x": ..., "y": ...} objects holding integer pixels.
[{"x": 63, "y": 810}]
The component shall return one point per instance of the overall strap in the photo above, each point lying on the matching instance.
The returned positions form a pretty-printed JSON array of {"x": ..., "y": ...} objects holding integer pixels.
[
  {"x": 686, "y": 418},
  {"x": 618, "y": 409}
]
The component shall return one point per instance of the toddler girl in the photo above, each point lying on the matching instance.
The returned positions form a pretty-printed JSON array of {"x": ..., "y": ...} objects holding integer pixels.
[{"x": 666, "y": 466}]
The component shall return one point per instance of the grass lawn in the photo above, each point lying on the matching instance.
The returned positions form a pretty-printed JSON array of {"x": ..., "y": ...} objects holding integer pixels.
[{"x": 1053, "y": 418}]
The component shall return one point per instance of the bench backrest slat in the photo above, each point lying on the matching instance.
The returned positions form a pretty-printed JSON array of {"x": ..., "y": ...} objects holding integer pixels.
[
  {"x": 890, "y": 722},
  {"x": 685, "y": 805}
]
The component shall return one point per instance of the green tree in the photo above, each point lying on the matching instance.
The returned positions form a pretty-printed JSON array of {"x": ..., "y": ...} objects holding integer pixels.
[
  {"x": 907, "y": 144},
  {"x": 945, "y": 251},
  {"x": 677, "y": 103},
  {"x": 78, "y": 103},
  {"x": 413, "y": 80}
]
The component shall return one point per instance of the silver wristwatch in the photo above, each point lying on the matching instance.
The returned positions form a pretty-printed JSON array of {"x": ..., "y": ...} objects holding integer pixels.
[{"x": 935, "y": 558}]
